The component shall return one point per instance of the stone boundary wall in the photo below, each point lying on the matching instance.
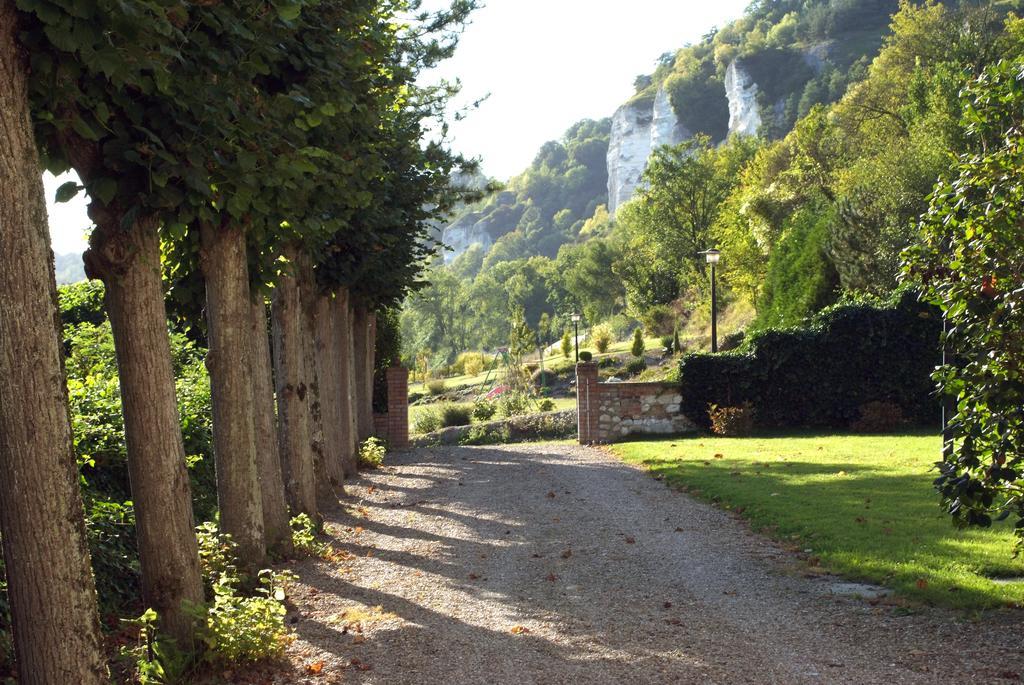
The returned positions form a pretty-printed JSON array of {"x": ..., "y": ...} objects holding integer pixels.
[
  {"x": 608, "y": 412},
  {"x": 393, "y": 426}
]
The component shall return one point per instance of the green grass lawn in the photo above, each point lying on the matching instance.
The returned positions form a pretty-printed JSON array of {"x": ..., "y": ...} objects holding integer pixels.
[
  {"x": 415, "y": 410},
  {"x": 863, "y": 505}
]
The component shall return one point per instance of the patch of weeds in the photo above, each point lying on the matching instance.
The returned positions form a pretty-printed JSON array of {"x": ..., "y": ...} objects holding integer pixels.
[{"x": 371, "y": 453}]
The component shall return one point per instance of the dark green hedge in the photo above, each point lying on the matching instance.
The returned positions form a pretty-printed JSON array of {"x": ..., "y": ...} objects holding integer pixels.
[{"x": 821, "y": 374}]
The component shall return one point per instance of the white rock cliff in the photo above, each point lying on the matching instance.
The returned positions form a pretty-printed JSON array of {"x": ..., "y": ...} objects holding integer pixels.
[
  {"x": 744, "y": 113},
  {"x": 636, "y": 132}
]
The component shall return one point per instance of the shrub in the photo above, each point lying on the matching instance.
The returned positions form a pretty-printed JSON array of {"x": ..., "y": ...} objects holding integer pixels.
[
  {"x": 486, "y": 435},
  {"x": 436, "y": 387},
  {"x": 456, "y": 415},
  {"x": 513, "y": 404},
  {"x": 666, "y": 344},
  {"x": 546, "y": 404},
  {"x": 469, "y": 363},
  {"x": 483, "y": 410},
  {"x": 427, "y": 420},
  {"x": 371, "y": 453},
  {"x": 635, "y": 366},
  {"x": 732, "y": 421},
  {"x": 586, "y": 356},
  {"x": 820, "y": 375},
  {"x": 879, "y": 417},
  {"x": 638, "y": 343},
  {"x": 566, "y": 344},
  {"x": 602, "y": 336},
  {"x": 239, "y": 629}
]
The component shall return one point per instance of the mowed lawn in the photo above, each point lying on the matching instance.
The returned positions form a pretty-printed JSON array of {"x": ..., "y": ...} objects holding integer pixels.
[{"x": 863, "y": 505}]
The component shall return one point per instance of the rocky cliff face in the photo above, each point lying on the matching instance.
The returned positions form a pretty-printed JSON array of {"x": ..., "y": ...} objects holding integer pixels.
[
  {"x": 637, "y": 129},
  {"x": 744, "y": 113}
]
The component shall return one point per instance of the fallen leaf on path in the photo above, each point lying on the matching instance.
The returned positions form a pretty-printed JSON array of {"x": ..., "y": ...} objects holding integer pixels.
[
  {"x": 667, "y": 605},
  {"x": 519, "y": 630},
  {"x": 679, "y": 530},
  {"x": 473, "y": 576},
  {"x": 630, "y": 541},
  {"x": 357, "y": 530},
  {"x": 719, "y": 456},
  {"x": 315, "y": 667},
  {"x": 551, "y": 495},
  {"x": 566, "y": 554},
  {"x": 358, "y": 639},
  {"x": 551, "y": 578},
  {"x": 359, "y": 664}
]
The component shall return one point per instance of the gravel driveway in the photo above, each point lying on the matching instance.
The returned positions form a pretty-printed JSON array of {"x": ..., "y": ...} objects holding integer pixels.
[{"x": 559, "y": 564}]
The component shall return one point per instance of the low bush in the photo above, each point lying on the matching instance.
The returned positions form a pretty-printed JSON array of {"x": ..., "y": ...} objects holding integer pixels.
[
  {"x": 513, "y": 404},
  {"x": 635, "y": 366},
  {"x": 602, "y": 337},
  {"x": 436, "y": 387},
  {"x": 821, "y": 375},
  {"x": 456, "y": 415},
  {"x": 483, "y": 410},
  {"x": 879, "y": 417},
  {"x": 305, "y": 541},
  {"x": 666, "y": 344},
  {"x": 546, "y": 404},
  {"x": 427, "y": 420},
  {"x": 486, "y": 435},
  {"x": 586, "y": 356},
  {"x": 732, "y": 421},
  {"x": 372, "y": 453}
]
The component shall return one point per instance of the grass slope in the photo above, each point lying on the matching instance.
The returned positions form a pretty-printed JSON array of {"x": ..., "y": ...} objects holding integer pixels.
[{"x": 863, "y": 505}]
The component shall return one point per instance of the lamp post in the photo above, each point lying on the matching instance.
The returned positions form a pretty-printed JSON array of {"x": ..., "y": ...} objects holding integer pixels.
[
  {"x": 712, "y": 257},
  {"x": 576, "y": 334}
]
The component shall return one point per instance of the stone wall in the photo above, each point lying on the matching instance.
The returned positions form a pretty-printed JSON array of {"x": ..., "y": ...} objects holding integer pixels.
[
  {"x": 608, "y": 412},
  {"x": 393, "y": 426}
]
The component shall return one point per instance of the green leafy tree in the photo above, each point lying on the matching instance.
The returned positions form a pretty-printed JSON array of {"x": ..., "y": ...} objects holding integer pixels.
[
  {"x": 969, "y": 265},
  {"x": 566, "y": 344}
]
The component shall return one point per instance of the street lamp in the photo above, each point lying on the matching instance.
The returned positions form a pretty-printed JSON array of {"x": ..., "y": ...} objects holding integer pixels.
[
  {"x": 576, "y": 334},
  {"x": 712, "y": 257}
]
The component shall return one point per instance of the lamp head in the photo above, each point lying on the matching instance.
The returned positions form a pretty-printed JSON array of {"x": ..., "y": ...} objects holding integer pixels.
[{"x": 712, "y": 256}]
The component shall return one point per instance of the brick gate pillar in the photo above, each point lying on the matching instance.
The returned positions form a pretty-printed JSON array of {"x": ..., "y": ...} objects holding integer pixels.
[
  {"x": 588, "y": 403},
  {"x": 398, "y": 407}
]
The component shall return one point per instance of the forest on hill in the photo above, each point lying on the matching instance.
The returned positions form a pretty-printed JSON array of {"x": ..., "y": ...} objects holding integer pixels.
[{"x": 860, "y": 114}]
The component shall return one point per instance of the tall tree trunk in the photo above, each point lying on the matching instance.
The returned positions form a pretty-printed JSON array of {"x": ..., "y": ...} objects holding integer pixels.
[
  {"x": 364, "y": 374},
  {"x": 308, "y": 295},
  {"x": 50, "y": 585},
  {"x": 328, "y": 382},
  {"x": 277, "y": 533},
  {"x": 293, "y": 392},
  {"x": 342, "y": 313},
  {"x": 228, "y": 314},
  {"x": 128, "y": 262}
]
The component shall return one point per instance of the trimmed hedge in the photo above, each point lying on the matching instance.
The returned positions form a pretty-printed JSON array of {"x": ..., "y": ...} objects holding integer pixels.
[{"x": 821, "y": 375}]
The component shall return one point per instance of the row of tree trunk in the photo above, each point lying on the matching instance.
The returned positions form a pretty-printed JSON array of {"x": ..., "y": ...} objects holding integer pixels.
[{"x": 276, "y": 448}]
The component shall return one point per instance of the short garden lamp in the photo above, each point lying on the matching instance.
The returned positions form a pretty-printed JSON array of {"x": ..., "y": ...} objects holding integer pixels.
[
  {"x": 712, "y": 257},
  {"x": 576, "y": 334}
]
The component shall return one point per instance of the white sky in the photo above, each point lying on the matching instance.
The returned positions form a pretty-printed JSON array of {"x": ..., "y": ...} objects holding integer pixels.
[{"x": 545, "y": 64}]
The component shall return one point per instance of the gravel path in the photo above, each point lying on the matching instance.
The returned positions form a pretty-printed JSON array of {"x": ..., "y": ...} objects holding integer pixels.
[{"x": 560, "y": 564}]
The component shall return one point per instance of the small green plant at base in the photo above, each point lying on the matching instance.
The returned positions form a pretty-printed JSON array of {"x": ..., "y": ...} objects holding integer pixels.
[
  {"x": 602, "y": 336},
  {"x": 483, "y": 410},
  {"x": 638, "y": 343},
  {"x": 217, "y": 554},
  {"x": 566, "y": 344},
  {"x": 546, "y": 404},
  {"x": 304, "y": 537},
  {"x": 242, "y": 629},
  {"x": 436, "y": 387},
  {"x": 372, "y": 453}
]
